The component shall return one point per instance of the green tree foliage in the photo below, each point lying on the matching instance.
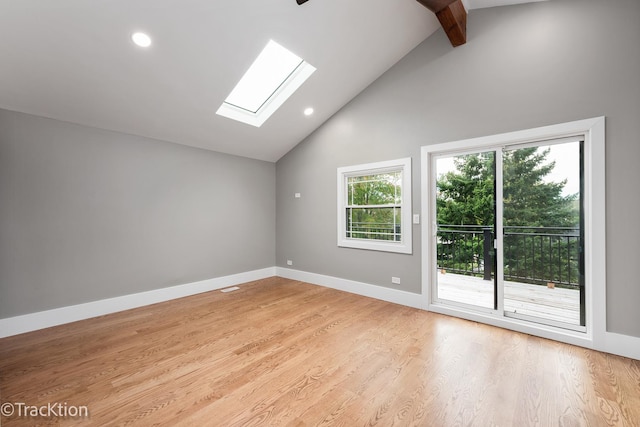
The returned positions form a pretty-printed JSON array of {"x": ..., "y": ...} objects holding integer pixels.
[
  {"x": 466, "y": 195},
  {"x": 528, "y": 199}
]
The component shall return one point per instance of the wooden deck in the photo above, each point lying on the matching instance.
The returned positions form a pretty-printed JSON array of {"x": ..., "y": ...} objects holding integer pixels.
[{"x": 561, "y": 305}]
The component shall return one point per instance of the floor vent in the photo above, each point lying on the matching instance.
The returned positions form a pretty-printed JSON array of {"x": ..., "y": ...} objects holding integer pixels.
[{"x": 235, "y": 288}]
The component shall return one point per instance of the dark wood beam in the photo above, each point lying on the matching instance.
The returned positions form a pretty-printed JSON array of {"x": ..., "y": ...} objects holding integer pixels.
[{"x": 452, "y": 16}]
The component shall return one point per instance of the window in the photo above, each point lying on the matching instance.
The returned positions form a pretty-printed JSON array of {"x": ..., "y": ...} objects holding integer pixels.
[
  {"x": 272, "y": 78},
  {"x": 374, "y": 206}
]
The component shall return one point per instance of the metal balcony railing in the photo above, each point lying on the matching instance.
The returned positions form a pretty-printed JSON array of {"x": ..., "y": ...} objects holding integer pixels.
[{"x": 536, "y": 255}]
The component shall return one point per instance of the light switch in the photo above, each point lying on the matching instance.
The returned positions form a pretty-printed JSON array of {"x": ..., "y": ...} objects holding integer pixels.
[{"x": 416, "y": 218}]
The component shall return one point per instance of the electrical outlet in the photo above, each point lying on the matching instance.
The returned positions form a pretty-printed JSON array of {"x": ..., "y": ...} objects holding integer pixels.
[
  {"x": 289, "y": 262},
  {"x": 395, "y": 280}
]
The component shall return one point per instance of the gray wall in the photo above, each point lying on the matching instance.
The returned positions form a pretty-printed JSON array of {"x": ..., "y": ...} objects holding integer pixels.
[
  {"x": 87, "y": 214},
  {"x": 523, "y": 66}
]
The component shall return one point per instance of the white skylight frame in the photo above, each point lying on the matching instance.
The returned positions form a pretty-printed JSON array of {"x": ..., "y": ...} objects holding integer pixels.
[{"x": 285, "y": 72}]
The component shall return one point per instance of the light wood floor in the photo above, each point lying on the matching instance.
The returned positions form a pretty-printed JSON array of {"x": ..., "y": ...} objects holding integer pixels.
[{"x": 280, "y": 352}]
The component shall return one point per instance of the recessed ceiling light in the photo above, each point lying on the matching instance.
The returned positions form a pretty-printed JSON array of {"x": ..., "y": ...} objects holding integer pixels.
[
  {"x": 308, "y": 111},
  {"x": 141, "y": 39},
  {"x": 272, "y": 78}
]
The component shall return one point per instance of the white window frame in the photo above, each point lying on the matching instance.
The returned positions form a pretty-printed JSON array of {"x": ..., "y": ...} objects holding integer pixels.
[
  {"x": 593, "y": 131},
  {"x": 403, "y": 246},
  {"x": 269, "y": 106}
]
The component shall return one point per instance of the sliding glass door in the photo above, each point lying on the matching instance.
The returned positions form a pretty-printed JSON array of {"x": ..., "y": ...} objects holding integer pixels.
[
  {"x": 542, "y": 236},
  {"x": 465, "y": 212},
  {"x": 508, "y": 231}
]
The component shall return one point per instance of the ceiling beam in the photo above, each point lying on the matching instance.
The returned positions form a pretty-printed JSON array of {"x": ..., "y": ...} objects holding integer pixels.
[{"x": 452, "y": 16}]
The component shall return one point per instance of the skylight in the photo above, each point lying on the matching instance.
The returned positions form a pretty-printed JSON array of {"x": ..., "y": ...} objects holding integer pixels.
[{"x": 272, "y": 78}]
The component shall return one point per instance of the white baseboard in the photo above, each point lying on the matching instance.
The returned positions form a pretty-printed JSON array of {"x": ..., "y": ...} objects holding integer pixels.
[
  {"x": 378, "y": 292},
  {"x": 58, "y": 316},
  {"x": 622, "y": 345}
]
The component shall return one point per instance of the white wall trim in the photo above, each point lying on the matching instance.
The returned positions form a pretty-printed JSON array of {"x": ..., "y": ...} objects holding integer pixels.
[
  {"x": 513, "y": 324},
  {"x": 58, "y": 316},
  {"x": 396, "y": 296},
  {"x": 622, "y": 345}
]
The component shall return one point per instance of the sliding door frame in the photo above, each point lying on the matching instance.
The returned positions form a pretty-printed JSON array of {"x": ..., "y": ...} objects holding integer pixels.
[
  {"x": 592, "y": 131},
  {"x": 434, "y": 298}
]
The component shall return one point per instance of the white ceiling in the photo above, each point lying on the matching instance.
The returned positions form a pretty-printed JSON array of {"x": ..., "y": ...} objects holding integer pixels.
[
  {"x": 73, "y": 60},
  {"x": 480, "y": 4}
]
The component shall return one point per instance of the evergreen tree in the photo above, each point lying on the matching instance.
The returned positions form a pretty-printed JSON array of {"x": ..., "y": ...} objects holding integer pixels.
[
  {"x": 529, "y": 200},
  {"x": 466, "y": 195}
]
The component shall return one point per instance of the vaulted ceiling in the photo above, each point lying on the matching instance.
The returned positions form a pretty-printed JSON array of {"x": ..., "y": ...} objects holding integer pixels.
[{"x": 73, "y": 60}]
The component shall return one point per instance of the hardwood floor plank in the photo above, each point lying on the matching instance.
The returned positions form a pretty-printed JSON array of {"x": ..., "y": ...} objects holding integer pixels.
[{"x": 283, "y": 352}]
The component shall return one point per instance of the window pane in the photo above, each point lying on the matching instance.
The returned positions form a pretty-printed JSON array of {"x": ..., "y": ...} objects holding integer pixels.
[
  {"x": 374, "y": 223},
  {"x": 372, "y": 210},
  {"x": 378, "y": 189},
  {"x": 542, "y": 233},
  {"x": 465, "y": 205}
]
